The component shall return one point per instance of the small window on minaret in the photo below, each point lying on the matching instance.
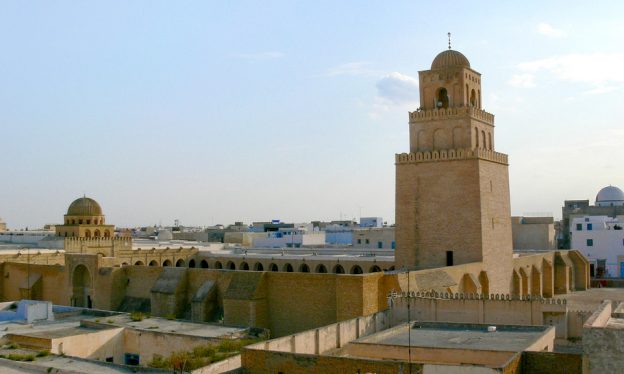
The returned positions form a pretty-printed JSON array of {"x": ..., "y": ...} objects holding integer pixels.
[
  {"x": 449, "y": 258},
  {"x": 473, "y": 98},
  {"x": 442, "y": 99}
]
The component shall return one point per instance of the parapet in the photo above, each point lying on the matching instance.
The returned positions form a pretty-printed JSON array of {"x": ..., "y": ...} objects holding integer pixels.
[
  {"x": 472, "y": 296},
  {"x": 77, "y": 244},
  {"x": 450, "y": 155},
  {"x": 438, "y": 114}
]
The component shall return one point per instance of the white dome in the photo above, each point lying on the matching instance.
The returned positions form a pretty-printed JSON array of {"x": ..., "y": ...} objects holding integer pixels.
[{"x": 610, "y": 196}]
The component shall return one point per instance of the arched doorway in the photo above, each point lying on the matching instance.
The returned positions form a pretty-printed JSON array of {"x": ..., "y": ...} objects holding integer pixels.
[
  {"x": 231, "y": 265},
  {"x": 153, "y": 263},
  {"x": 485, "y": 283},
  {"x": 288, "y": 268},
  {"x": 180, "y": 263},
  {"x": 243, "y": 266},
  {"x": 203, "y": 264},
  {"x": 258, "y": 267},
  {"x": 167, "y": 262},
  {"x": 273, "y": 267},
  {"x": 304, "y": 268},
  {"x": 218, "y": 265},
  {"x": 515, "y": 284},
  {"x": 81, "y": 287}
]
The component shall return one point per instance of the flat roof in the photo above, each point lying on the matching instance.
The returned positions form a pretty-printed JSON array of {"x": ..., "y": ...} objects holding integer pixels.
[
  {"x": 156, "y": 324},
  {"x": 458, "y": 336}
]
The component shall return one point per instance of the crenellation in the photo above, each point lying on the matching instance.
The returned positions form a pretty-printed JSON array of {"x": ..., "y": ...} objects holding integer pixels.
[
  {"x": 473, "y": 296},
  {"x": 451, "y": 113},
  {"x": 451, "y": 155}
]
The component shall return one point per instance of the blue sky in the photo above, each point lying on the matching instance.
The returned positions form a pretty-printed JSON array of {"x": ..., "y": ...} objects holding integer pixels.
[{"x": 211, "y": 112}]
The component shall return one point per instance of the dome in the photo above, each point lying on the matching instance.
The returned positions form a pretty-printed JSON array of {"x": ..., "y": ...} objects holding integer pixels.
[
  {"x": 610, "y": 196},
  {"x": 450, "y": 58},
  {"x": 84, "y": 207}
]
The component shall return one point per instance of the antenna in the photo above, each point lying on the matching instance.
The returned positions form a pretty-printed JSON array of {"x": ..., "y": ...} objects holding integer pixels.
[{"x": 449, "y": 38}]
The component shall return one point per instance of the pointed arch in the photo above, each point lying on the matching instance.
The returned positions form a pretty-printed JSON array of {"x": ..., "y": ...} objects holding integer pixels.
[
  {"x": 374, "y": 269},
  {"x": 338, "y": 269},
  {"x": 320, "y": 268},
  {"x": 356, "y": 269},
  {"x": 304, "y": 268},
  {"x": 485, "y": 283}
]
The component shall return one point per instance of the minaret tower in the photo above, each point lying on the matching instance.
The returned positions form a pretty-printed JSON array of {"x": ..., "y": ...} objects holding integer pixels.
[{"x": 452, "y": 189}]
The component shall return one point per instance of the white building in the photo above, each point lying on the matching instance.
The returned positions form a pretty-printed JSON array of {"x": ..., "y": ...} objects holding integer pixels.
[
  {"x": 290, "y": 238},
  {"x": 601, "y": 239}
]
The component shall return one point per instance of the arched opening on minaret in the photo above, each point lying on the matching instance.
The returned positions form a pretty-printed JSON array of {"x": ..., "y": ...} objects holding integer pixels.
[
  {"x": 473, "y": 98},
  {"x": 483, "y": 138},
  {"x": 442, "y": 99},
  {"x": 476, "y": 137}
]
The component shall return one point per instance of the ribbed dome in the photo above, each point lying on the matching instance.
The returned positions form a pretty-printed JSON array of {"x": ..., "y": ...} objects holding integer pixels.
[
  {"x": 450, "y": 58},
  {"x": 84, "y": 207},
  {"x": 610, "y": 196}
]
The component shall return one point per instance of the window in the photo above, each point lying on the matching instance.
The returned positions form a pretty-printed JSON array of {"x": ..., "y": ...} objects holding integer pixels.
[
  {"x": 579, "y": 226},
  {"x": 449, "y": 258},
  {"x": 589, "y": 227},
  {"x": 379, "y": 245},
  {"x": 367, "y": 241},
  {"x": 131, "y": 359},
  {"x": 394, "y": 244},
  {"x": 590, "y": 242},
  {"x": 359, "y": 241}
]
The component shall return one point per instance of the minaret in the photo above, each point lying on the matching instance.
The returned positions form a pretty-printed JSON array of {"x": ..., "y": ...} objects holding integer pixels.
[{"x": 452, "y": 189}]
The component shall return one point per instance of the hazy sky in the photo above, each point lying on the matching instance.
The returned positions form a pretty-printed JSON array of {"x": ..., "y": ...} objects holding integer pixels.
[{"x": 216, "y": 111}]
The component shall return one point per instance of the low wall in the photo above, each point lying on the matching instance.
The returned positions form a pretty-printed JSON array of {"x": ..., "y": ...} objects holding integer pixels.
[{"x": 493, "y": 309}]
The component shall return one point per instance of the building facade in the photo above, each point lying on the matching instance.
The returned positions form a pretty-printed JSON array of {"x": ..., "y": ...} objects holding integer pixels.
[
  {"x": 609, "y": 202},
  {"x": 601, "y": 239}
]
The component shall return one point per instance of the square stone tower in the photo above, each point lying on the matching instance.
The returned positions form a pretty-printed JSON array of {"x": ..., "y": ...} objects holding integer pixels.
[{"x": 452, "y": 189}]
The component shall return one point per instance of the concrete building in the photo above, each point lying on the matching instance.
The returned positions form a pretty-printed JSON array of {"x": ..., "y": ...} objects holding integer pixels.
[
  {"x": 533, "y": 233},
  {"x": 603, "y": 335},
  {"x": 371, "y": 222},
  {"x": 601, "y": 239},
  {"x": 105, "y": 341},
  {"x": 290, "y": 238},
  {"x": 609, "y": 202},
  {"x": 378, "y": 238}
]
